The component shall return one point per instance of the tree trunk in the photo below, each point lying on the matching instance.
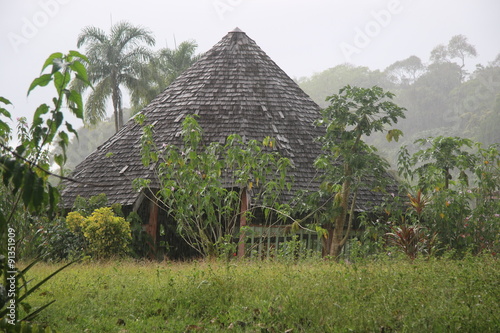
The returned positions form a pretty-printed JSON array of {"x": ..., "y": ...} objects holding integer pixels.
[
  {"x": 115, "y": 111},
  {"x": 243, "y": 221},
  {"x": 326, "y": 242},
  {"x": 447, "y": 178},
  {"x": 337, "y": 241},
  {"x": 117, "y": 108}
]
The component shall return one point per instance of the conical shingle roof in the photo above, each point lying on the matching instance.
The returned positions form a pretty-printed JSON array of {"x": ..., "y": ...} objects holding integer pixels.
[{"x": 234, "y": 88}]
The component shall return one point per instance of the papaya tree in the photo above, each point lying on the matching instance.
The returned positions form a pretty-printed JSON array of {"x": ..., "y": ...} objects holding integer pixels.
[
  {"x": 436, "y": 160},
  {"x": 347, "y": 162}
]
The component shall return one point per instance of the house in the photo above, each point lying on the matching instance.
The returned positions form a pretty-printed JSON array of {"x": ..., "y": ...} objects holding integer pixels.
[{"x": 234, "y": 88}]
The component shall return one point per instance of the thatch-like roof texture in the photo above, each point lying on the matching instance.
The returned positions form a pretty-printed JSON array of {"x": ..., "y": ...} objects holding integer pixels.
[{"x": 234, "y": 88}]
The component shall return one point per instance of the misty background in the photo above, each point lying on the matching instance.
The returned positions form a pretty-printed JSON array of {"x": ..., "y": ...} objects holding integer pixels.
[{"x": 322, "y": 44}]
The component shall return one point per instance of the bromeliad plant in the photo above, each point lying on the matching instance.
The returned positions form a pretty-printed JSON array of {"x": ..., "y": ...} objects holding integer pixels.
[{"x": 201, "y": 186}]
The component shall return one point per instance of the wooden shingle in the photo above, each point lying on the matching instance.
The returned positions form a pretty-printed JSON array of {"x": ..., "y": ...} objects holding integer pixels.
[{"x": 234, "y": 88}]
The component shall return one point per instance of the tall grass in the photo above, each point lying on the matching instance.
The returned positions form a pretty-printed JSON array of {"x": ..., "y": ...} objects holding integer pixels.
[{"x": 389, "y": 296}]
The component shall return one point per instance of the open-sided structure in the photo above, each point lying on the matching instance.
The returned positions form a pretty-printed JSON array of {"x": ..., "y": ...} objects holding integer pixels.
[{"x": 233, "y": 88}]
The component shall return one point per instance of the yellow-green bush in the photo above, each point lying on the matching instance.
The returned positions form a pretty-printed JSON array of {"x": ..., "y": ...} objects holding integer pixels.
[
  {"x": 107, "y": 234},
  {"x": 75, "y": 222}
]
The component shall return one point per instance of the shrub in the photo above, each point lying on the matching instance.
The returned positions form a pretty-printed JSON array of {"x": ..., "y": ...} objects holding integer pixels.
[
  {"x": 59, "y": 242},
  {"x": 86, "y": 206},
  {"x": 75, "y": 222},
  {"x": 412, "y": 240},
  {"x": 107, "y": 234}
]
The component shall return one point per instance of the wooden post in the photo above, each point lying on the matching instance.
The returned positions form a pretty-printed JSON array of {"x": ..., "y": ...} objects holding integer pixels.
[
  {"x": 152, "y": 226},
  {"x": 243, "y": 222}
]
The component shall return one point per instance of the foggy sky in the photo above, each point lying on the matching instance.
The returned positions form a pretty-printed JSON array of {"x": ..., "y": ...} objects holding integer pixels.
[{"x": 302, "y": 37}]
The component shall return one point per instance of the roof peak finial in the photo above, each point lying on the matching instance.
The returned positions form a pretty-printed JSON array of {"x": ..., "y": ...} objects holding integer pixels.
[{"x": 236, "y": 30}]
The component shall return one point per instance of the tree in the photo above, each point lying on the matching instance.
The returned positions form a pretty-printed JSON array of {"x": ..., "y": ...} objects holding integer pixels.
[
  {"x": 496, "y": 62},
  {"x": 459, "y": 47},
  {"x": 320, "y": 85},
  {"x": 166, "y": 65},
  {"x": 439, "y": 54},
  {"x": 115, "y": 60},
  {"x": 439, "y": 160},
  {"x": 477, "y": 101},
  {"x": 349, "y": 163},
  {"x": 203, "y": 186},
  {"x": 175, "y": 61},
  {"x": 405, "y": 71},
  {"x": 428, "y": 100}
]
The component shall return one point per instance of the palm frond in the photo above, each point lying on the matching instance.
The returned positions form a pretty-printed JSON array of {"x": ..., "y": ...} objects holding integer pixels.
[
  {"x": 91, "y": 35},
  {"x": 126, "y": 36}
]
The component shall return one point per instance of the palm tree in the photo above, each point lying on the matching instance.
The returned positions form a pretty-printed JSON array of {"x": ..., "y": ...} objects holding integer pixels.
[
  {"x": 115, "y": 60},
  {"x": 166, "y": 66},
  {"x": 178, "y": 60}
]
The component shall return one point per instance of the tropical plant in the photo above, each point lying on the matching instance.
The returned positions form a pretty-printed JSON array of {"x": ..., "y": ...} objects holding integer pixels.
[
  {"x": 202, "y": 186},
  {"x": 412, "y": 240},
  {"x": 115, "y": 60},
  {"x": 461, "y": 182},
  {"x": 166, "y": 65},
  {"x": 24, "y": 171},
  {"x": 418, "y": 202},
  {"x": 347, "y": 161}
]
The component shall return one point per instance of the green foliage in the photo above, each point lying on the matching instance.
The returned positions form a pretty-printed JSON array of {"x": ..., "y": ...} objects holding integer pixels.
[
  {"x": 57, "y": 242},
  {"x": 86, "y": 207},
  {"x": 272, "y": 296},
  {"x": 24, "y": 172},
  {"x": 321, "y": 85},
  {"x": 201, "y": 186},
  {"x": 115, "y": 60},
  {"x": 107, "y": 235},
  {"x": 294, "y": 250},
  {"x": 441, "y": 98},
  {"x": 226, "y": 248},
  {"x": 163, "y": 68},
  {"x": 405, "y": 71},
  {"x": 141, "y": 241},
  {"x": 352, "y": 164},
  {"x": 25, "y": 168},
  {"x": 457, "y": 183},
  {"x": 436, "y": 163}
]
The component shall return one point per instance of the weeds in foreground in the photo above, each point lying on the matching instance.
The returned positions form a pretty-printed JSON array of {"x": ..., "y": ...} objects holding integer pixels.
[{"x": 274, "y": 296}]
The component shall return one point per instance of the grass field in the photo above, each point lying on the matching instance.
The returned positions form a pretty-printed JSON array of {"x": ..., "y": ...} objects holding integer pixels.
[{"x": 378, "y": 296}]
